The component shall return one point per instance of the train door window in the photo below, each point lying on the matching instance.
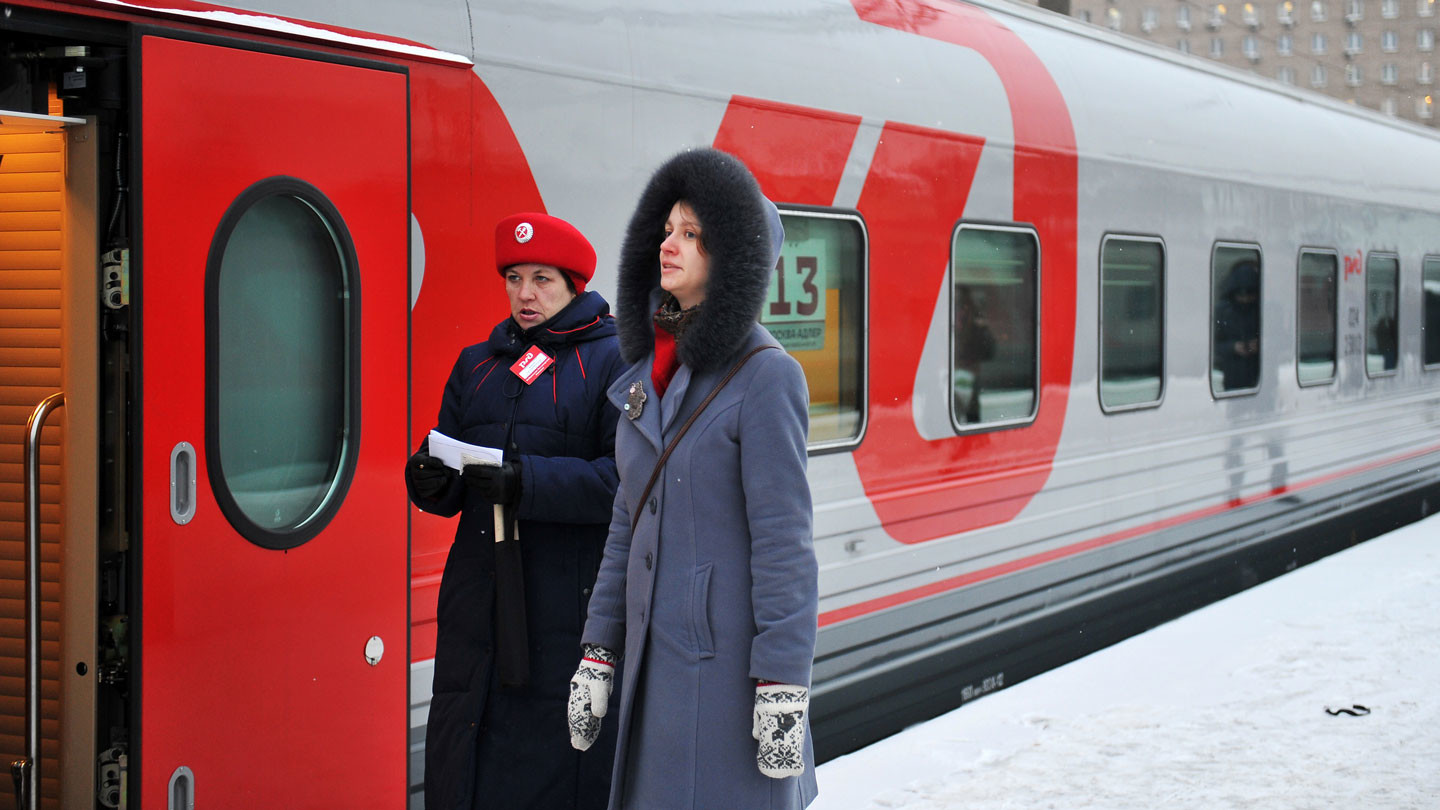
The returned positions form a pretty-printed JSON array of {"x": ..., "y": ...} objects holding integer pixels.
[
  {"x": 282, "y": 349},
  {"x": 1235, "y": 319},
  {"x": 1132, "y": 333},
  {"x": 816, "y": 309},
  {"x": 1430, "y": 283},
  {"x": 994, "y": 306},
  {"x": 1382, "y": 311},
  {"x": 1315, "y": 316}
]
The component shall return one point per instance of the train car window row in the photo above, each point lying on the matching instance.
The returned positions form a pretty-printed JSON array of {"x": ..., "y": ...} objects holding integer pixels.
[
  {"x": 1132, "y": 322},
  {"x": 1235, "y": 308},
  {"x": 1315, "y": 316},
  {"x": 283, "y": 343},
  {"x": 1382, "y": 314},
  {"x": 995, "y": 318},
  {"x": 816, "y": 308},
  {"x": 1430, "y": 284}
]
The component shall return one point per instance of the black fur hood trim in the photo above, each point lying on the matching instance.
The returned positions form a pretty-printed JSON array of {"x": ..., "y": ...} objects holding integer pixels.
[{"x": 742, "y": 235}]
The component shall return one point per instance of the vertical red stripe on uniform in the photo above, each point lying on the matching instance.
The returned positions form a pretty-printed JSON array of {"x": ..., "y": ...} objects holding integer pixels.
[
  {"x": 915, "y": 193},
  {"x": 797, "y": 153}
]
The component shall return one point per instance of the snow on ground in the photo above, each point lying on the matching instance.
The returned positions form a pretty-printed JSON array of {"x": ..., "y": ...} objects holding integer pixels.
[{"x": 1222, "y": 708}]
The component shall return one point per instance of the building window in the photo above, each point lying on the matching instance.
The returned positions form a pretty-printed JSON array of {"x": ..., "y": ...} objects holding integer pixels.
[
  {"x": 994, "y": 301},
  {"x": 1250, "y": 15},
  {"x": 1235, "y": 310},
  {"x": 1424, "y": 74},
  {"x": 1389, "y": 41},
  {"x": 1217, "y": 47},
  {"x": 1285, "y": 12},
  {"x": 1354, "y": 43},
  {"x": 1113, "y": 20},
  {"x": 1319, "y": 43},
  {"x": 1425, "y": 39},
  {"x": 1353, "y": 75},
  {"x": 281, "y": 436},
  {"x": 1389, "y": 73},
  {"x": 1389, "y": 9},
  {"x": 816, "y": 309},
  {"x": 1389, "y": 106},
  {"x": 1425, "y": 8},
  {"x": 1286, "y": 75},
  {"x": 1149, "y": 20},
  {"x": 1430, "y": 284},
  {"x": 1317, "y": 10},
  {"x": 1251, "y": 48},
  {"x": 1132, "y": 334},
  {"x": 1425, "y": 107},
  {"x": 1318, "y": 76},
  {"x": 1083, "y": 16},
  {"x": 1315, "y": 317},
  {"x": 1182, "y": 18},
  {"x": 1354, "y": 10},
  {"x": 1284, "y": 45},
  {"x": 1217, "y": 16},
  {"x": 1183, "y": 45},
  {"x": 1382, "y": 308}
]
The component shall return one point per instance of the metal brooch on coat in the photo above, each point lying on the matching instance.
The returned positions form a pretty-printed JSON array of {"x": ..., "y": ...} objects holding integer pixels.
[{"x": 635, "y": 403}]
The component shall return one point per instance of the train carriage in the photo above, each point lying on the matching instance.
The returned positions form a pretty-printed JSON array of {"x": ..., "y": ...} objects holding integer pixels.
[{"x": 1094, "y": 332}]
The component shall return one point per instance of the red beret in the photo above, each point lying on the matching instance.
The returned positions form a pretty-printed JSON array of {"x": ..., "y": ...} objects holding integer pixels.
[{"x": 532, "y": 238}]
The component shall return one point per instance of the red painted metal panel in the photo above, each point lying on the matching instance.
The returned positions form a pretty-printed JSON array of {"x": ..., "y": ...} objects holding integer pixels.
[
  {"x": 253, "y": 672},
  {"x": 797, "y": 153}
]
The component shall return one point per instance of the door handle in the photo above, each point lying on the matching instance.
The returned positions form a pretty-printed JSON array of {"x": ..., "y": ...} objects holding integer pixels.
[{"x": 26, "y": 770}]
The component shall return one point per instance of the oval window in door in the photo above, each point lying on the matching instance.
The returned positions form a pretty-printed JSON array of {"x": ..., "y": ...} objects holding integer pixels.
[{"x": 282, "y": 362}]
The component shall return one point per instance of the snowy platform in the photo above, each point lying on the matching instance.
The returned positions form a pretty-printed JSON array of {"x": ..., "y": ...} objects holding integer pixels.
[{"x": 1223, "y": 708}]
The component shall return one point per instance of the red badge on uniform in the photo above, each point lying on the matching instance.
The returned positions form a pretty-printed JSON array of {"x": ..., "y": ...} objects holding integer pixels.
[{"x": 531, "y": 364}]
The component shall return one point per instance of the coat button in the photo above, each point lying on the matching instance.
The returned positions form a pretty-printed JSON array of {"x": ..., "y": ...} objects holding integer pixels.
[
  {"x": 653, "y": 506},
  {"x": 586, "y": 591},
  {"x": 649, "y": 560}
]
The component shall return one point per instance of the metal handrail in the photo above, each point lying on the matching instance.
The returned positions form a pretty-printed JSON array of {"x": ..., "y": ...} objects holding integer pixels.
[{"x": 26, "y": 770}]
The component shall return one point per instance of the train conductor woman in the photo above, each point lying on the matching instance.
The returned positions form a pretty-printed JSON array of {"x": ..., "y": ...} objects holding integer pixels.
[
  {"x": 708, "y": 590},
  {"x": 511, "y": 607}
]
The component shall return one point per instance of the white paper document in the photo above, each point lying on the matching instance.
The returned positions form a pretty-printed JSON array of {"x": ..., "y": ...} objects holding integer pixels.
[{"x": 456, "y": 454}]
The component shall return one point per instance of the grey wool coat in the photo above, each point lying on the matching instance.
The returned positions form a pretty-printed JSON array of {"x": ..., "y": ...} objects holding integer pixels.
[{"x": 716, "y": 588}]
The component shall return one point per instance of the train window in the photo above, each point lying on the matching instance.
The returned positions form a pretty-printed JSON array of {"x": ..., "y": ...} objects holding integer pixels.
[
  {"x": 994, "y": 305},
  {"x": 1315, "y": 314},
  {"x": 1430, "y": 282},
  {"x": 1382, "y": 310},
  {"x": 1132, "y": 334},
  {"x": 1235, "y": 319},
  {"x": 816, "y": 309},
  {"x": 282, "y": 341}
]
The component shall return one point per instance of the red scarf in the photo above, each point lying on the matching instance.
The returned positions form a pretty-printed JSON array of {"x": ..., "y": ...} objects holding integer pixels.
[{"x": 667, "y": 361}]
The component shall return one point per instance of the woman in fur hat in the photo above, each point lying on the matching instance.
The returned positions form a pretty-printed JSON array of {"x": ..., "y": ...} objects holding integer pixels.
[
  {"x": 708, "y": 587},
  {"x": 510, "y": 613}
]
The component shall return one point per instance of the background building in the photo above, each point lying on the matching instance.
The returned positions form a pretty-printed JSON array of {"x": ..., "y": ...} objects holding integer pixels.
[{"x": 1375, "y": 53}]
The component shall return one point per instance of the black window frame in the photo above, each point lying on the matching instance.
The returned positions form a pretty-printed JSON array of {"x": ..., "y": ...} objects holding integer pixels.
[
  {"x": 1100, "y": 322},
  {"x": 1399, "y": 314},
  {"x": 1210, "y": 336},
  {"x": 1335, "y": 334},
  {"x": 347, "y": 460}
]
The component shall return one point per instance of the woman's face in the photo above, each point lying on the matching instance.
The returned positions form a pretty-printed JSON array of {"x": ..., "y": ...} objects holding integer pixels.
[
  {"x": 684, "y": 267},
  {"x": 536, "y": 292}
]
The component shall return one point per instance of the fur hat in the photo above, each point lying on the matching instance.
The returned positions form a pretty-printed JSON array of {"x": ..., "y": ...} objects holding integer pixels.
[
  {"x": 531, "y": 238},
  {"x": 741, "y": 234}
]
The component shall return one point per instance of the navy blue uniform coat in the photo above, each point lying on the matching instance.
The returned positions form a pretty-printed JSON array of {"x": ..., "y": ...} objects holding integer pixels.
[{"x": 488, "y": 746}]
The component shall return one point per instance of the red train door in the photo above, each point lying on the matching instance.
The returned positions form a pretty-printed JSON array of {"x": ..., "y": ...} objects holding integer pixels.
[{"x": 273, "y": 554}]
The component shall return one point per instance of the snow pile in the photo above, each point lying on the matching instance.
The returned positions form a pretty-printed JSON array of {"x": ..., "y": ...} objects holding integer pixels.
[{"x": 1223, "y": 708}]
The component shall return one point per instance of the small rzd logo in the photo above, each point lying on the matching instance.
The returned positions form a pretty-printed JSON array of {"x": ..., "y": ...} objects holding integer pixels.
[{"x": 523, "y": 232}]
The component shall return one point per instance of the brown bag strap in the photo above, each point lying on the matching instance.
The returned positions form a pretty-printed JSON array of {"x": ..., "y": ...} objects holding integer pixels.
[{"x": 659, "y": 463}]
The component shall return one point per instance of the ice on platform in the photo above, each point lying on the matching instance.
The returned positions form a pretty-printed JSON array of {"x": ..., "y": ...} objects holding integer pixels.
[{"x": 1222, "y": 708}]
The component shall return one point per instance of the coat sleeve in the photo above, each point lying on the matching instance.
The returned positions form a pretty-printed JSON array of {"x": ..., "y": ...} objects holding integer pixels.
[
  {"x": 774, "y": 421},
  {"x": 605, "y": 624},
  {"x": 448, "y": 422},
  {"x": 562, "y": 489}
]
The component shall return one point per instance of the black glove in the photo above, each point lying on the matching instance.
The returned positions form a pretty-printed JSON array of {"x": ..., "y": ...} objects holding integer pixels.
[
  {"x": 428, "y": 475},
  {"x": 498, "y": 484}
]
